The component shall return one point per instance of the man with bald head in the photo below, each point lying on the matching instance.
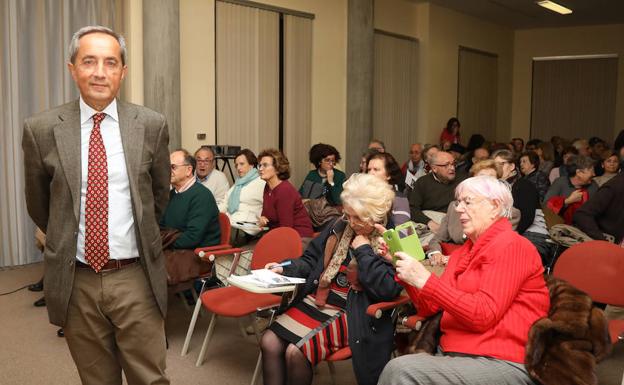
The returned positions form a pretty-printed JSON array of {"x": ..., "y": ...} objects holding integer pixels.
[
  {"x": 414, "y": 168},
  {"x": 433, "y": 192}
]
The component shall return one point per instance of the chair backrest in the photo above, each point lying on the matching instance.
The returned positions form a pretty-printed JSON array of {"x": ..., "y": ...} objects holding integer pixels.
[
  {"x": 597, "y": 268},
  {"x": 226, "y": 229},
  {"x": 276, "y": 245}
]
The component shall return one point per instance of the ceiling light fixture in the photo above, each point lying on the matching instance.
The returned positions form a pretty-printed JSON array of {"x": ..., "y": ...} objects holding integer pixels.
[{"x": 551, "y": 5}]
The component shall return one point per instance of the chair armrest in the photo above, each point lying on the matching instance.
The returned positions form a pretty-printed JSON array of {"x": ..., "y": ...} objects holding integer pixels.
[
  {"x": 213, "y": 248},
  {"x": 376, "y": 310},
  {"x": 413, "y": 322},
  {"x": 210, "y": 255}
]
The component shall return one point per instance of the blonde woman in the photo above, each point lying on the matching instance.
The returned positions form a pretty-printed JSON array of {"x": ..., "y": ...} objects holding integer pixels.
[{"x": 343, "y": 275}]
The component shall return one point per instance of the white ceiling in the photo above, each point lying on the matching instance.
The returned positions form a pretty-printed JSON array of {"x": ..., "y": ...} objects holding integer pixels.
[{"x": 523, "y": 14}]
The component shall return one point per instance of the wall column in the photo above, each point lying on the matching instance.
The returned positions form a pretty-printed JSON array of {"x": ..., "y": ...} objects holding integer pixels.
[
  {"x": 161, "y": 63},
  {"x": 360, "y": 47}
]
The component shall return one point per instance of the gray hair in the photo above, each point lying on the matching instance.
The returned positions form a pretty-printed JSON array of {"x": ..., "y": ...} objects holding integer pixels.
[
  {"x": 490, "y": 188},
  {"x": 74, "y": 45}
]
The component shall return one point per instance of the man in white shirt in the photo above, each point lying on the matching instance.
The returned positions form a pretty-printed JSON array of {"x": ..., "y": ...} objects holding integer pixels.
[
  {"x": 414, "y": 168},
  {"x": 208, "y": 175},
  {"x": 96, "y": 182}
]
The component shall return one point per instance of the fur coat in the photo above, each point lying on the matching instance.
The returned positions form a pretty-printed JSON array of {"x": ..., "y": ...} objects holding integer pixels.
[{"x": 562, "y": 348}]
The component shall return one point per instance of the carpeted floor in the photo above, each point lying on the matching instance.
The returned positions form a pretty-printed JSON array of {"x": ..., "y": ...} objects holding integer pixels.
[{"x": 31, "y": 352}]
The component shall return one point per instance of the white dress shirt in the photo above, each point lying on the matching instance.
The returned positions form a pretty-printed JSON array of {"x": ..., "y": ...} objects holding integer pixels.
[{"x": 121, "y": 235}]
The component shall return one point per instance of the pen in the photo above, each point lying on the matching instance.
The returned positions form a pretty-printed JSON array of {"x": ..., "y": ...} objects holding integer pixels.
[{"x": 286, "y": 263}]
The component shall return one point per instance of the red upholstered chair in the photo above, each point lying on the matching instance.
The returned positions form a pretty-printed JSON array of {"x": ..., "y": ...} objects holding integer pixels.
[
  {"x": 375, "y": 310},
  {"x": 276, "y": 245},
  {"x": 209, "y": 254},
  {"x": 597, "y": 268},
  {"x": 448, "y": 248},
  {"x": 223, "y": 248}
]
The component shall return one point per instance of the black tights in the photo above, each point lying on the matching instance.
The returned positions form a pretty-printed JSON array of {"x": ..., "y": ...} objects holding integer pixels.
[{"x": 283, "y": 363}]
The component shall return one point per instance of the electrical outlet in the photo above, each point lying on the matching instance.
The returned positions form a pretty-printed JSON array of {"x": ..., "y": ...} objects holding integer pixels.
[{"x": 201, "y": 136}]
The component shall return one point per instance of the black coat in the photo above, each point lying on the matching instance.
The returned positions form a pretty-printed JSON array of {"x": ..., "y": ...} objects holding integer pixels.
[{"x": 370, "y": 339}]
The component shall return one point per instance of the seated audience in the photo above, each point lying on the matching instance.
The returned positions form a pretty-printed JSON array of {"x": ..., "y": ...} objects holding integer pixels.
[
  {"x": 489, "y": 295},
  {"x": 529, "y": 166},
  {"x": 450, "y": 230},
  {"x": 568, "y": 193},
  {"x": 518, "y": 145},
  {"x": 618, "y": 146},
  {"x": 611, "y": 167},
  {"x": 450, "y": 134},
  {"x": 430, "y": 149},
  {"x": 243, "y": 201},
  {"x": 433, "y": 192},
  {"x": 582, "y": 146},
  {"x": 325, "y": 181},
  {"x": 192, "y": 209},
  {"x": 329, "y": 310},
  {"x": 603, "y": 213},
  {"x": 281, "y": 205},
  {"x": 531, "y": 145},
  {"x": 209, "y": 176},
  {"x": 377, "y": 145},
  {"x": 532, "y": 223},
  {"x": 364, "y": 159},
  {"x": 566, "y": 154},
  {"x": 546, "y": 155},
  {"x": 385, "y": 167},
  {"x": 477, "y": 155},
  {"x": 414, "y": 168}
]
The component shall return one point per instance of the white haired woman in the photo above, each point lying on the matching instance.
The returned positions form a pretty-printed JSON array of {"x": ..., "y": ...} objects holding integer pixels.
[
  {"x": 490, "y": 294},
  {"x": 343, "y": 276}
]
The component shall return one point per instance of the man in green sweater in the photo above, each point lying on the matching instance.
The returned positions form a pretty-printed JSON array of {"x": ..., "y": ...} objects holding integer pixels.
[
  {"x": 192, "y": 208},
  {"x": 435, "y": 190}
]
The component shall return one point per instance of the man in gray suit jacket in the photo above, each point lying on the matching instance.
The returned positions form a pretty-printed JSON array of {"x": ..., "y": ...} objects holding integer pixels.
[{"x": 97, "y": 181}]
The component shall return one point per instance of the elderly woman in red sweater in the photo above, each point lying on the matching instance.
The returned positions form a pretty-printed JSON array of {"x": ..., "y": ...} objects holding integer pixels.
[{"x": 490, "y": 294}]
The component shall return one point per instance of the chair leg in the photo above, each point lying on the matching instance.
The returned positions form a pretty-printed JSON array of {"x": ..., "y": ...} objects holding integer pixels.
[
  {"x": 191, "y": 328},
  {"x": 257, "y": 369},
  {"x": 255, "y": 328},
  {"x": 202, "y": 352},
  {"x": 332, "y": 372},
  {"x": 241, "y": 328}
]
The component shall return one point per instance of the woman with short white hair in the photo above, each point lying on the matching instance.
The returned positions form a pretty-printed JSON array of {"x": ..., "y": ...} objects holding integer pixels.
[
  {"x": 343, "y": 276},
  {"x": 490, "y": 294}
]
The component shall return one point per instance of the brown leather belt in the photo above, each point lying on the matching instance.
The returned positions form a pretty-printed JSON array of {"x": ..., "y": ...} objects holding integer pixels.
[{"x": 113, "y": 264}]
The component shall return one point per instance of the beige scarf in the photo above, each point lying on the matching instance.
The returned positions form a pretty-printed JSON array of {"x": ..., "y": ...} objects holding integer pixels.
[{"x": 334, "y": 257}]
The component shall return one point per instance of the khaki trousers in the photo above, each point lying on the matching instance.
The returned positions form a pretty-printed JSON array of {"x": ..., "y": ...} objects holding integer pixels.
[{"x": 114, "y": 324}]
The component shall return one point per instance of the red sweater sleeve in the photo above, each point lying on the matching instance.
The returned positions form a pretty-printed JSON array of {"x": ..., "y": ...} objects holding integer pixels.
[
  {"x": 503, "y": 274},
  {"x": 285, "y": 208}
]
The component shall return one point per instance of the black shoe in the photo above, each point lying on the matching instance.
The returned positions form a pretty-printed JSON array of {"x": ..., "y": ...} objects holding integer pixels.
[
  {"x": 36, "y": 286},
  {"x": 40, "y": 302},
  {"x": 60, "y": 333}
]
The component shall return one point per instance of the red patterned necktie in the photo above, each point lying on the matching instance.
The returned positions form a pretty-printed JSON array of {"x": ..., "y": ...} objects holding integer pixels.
[{"x": 97, "y": 252}]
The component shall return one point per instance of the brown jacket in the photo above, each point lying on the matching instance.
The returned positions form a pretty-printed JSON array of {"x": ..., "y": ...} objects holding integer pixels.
[
  {"x": 562, "y": 348},
  {"x": 51, "y": 145}
]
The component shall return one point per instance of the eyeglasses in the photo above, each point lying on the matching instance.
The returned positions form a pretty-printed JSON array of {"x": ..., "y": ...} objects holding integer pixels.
[
  {"x": 264, "y": 165},
  {"x": 355, "y": 221},
  {"x": 329, "y": 160},
  {"x": 205, "y": 160},
  {"x": 446, "y": 165},
  {"x": 176, "y": 166},
  {"x": 469, "y": 201}
]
